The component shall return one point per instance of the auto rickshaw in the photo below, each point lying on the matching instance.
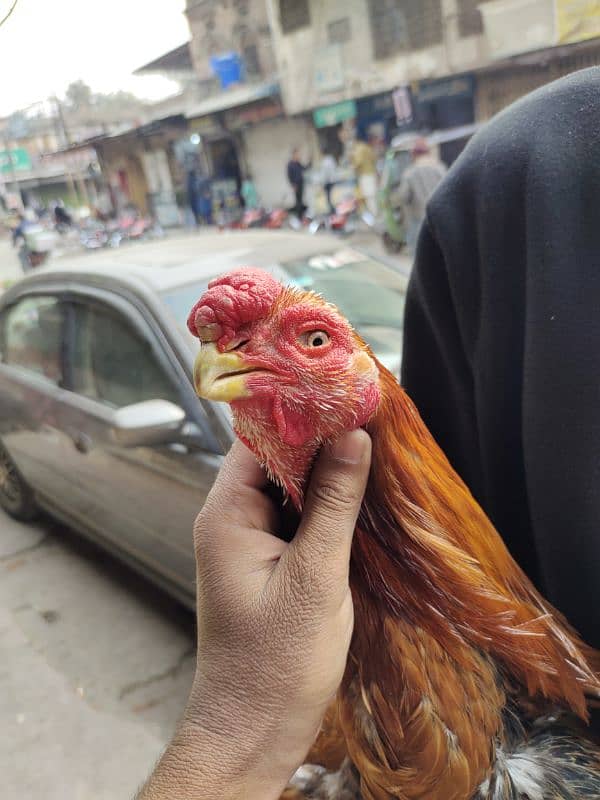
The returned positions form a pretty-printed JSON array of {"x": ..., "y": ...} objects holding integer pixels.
[{"x": 398, "y": 158}]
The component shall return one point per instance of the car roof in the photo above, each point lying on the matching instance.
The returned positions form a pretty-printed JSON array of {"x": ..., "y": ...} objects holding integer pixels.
[{"x": 184, "y": 258}]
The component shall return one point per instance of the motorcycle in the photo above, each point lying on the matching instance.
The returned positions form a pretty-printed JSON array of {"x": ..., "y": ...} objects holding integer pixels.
[
  {"x": 259, "y": 218},
  {"x": 345, "y": 219},
  {"x": 35, "y": 246},
  {"x": 130, "y": 227}
]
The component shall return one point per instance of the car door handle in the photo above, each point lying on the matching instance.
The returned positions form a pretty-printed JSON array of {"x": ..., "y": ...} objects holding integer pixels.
[{"x": 82, "y": 442}]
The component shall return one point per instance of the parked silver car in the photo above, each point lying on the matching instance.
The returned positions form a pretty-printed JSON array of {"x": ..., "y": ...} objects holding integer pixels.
[{"x": 99, "y": 423}]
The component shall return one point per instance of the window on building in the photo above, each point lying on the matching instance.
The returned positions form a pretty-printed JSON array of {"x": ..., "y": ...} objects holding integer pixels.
[
  {"x": 388, "y": 27},
  {"x": 470, "y": 21},
  {"x": 404, "y": 25},
  {"x": 251, "y": 61},
  {"x": 339, "y": 31},
  {"x": 425, "y": 23},
  {"x": 293, "y": 15}
]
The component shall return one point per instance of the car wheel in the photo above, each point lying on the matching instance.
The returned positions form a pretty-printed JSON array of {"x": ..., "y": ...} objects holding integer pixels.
[{"x": 16, "y": 498}]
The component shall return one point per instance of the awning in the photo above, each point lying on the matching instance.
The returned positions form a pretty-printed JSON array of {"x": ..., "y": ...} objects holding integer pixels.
[
  {"x": 177, "y": 60},
  {"x": 148, "y": 129},
  {"x": 230, "y": 98}
]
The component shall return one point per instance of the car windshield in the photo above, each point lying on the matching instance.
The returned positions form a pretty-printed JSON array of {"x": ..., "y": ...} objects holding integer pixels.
[{"x": 368, "y": 292}]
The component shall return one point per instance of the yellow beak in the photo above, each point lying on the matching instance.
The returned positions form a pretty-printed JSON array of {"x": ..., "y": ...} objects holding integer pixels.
[{"x": 220, "y": 376}]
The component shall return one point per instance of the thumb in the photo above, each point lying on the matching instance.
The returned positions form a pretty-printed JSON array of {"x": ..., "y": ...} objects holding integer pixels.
[{"x": 333, "y": 500}]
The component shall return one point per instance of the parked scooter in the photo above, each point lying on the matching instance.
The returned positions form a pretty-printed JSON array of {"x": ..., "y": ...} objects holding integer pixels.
[
  {"x": 345, "y": 219},
  {"x": 259, "y": 218},
  {"x": 276, "y": 218},
  {"x": 129, "y": 227},
  {"x": 35, "y": 245}
]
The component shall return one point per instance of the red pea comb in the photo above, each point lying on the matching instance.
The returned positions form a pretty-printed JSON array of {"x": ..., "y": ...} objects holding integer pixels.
[{"x": 233, "y": 300}]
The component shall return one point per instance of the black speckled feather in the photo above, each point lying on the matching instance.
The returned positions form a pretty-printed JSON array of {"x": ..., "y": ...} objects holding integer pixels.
[{"x": 549, "y": 761}]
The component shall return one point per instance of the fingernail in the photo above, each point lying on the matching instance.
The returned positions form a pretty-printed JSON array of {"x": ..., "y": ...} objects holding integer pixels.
[{"x": 350, "y": 448}]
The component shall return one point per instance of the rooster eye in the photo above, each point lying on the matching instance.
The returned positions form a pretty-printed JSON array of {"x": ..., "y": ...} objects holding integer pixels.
[{"x": 316, "y": 338}]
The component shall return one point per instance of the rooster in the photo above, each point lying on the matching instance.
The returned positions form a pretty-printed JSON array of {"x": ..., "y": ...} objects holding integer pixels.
[{"x": 462, "y": 682}]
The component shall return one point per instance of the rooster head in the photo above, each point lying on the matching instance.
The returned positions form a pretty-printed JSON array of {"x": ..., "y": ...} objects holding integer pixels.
[{"x": 290, "y": 365}]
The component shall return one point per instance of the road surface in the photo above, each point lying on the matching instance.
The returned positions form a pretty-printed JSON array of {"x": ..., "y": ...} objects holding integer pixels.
[{"x": 95, "y": 667}]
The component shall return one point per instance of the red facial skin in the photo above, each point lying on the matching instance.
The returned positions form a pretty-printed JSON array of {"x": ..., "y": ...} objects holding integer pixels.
[{"x": 301, "y": 396}]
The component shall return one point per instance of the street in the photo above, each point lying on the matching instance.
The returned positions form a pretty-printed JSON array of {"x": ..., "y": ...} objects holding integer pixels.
[
  {"x": 96, "y": 663},
  {"x": 95, "y": 668}
]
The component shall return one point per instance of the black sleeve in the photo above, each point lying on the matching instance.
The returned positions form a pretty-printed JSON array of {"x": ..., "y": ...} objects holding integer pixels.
[
  {"x": 502, "y": 335},
  {"x": 435, "y": 370}
]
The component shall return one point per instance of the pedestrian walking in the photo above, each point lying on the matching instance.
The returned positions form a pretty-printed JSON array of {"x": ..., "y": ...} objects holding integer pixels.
[
  {"x": 418, "y": 184},
  {"x": 295, "y": 175},
  {"x": 200, "y": 196},
  {"x": 328, "y": 176},
  {"x": 249, "y": 193},
  {"x": 364, "y": 162}
]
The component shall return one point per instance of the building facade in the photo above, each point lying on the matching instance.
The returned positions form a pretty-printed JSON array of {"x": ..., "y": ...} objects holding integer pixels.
[
  {"x": 218, "y": 27},
  {"x": 260, "y": 77},
  {"x": 553, "y": 39},
  {"x": 345, "y": 58},
  {"x": 34, "y": 169},
  {"x": 329, "y": 51},
  {"x": 239, "y": 124}
]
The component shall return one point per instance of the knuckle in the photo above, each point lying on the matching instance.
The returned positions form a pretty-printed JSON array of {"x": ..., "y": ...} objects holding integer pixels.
[{"x": 303, "y": 582}]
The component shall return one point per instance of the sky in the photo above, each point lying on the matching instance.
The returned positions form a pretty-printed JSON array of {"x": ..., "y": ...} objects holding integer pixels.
[{"x": 46, "y": 44}]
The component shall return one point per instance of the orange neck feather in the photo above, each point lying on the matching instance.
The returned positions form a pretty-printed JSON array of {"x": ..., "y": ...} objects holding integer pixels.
[{"x": 426, "y": 551}]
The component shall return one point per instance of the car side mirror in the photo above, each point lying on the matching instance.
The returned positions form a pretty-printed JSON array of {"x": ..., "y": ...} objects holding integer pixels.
[{"x": 148, "y": 423}]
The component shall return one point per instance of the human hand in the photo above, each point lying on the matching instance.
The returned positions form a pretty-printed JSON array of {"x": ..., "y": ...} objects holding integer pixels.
[{"x": 274, "y": 627}]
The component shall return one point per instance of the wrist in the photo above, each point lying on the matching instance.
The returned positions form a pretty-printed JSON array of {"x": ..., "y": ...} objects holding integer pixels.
[
  {"x": 198, "y": 764},
  {"x": 247, "y": 740}
]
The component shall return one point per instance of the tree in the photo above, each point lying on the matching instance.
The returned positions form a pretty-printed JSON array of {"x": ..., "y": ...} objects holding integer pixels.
[{"x": 78, "y": 95}]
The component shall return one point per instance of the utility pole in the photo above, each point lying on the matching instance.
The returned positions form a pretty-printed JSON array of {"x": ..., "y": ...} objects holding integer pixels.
[{"x": 66, "y": 143}]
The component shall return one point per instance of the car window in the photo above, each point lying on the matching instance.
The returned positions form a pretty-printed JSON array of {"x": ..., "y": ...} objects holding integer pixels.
[
  {"x": 181, "y": 300},
  {"x": 113, "y": 363},
  {"x": 32, "y": 337},
  {"x": 366, "y": 290}
]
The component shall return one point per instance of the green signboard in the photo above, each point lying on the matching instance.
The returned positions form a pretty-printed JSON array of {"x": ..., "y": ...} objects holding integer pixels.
[
  {"x": 14, "y": 160},
  {"x": 331, "y": 115}
]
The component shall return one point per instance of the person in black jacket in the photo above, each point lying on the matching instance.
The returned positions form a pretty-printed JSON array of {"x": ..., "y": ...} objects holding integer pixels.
[
  {"x": 295, "y": 175},
  {"x": 502, "y": 334}
]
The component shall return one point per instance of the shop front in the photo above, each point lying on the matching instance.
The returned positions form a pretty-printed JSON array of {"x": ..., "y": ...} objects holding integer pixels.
[
  {"x": 218, "y": 128},
  {"x": 140, "y": 169},
  {"x": 376, "y": 118},
  {"x": 446, "y": 103},
  {"x": 443, "y": 104},
  {"x": 210, "y": 162},
  {"x": 267, "y": 138},
  {"x": 329, "y": 122},
  {"x": 502, "y": 83}
]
